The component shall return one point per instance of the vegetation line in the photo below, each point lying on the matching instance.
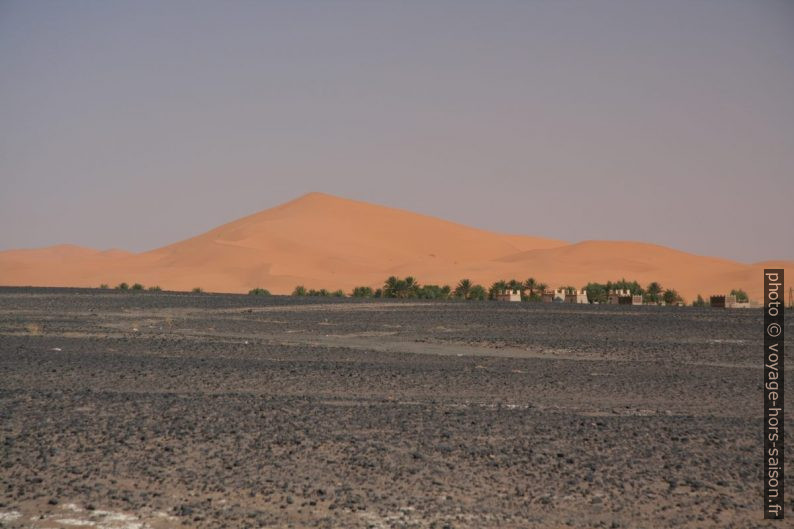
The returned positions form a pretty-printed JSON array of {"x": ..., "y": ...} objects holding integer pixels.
[{"x": 529, "y": 290}]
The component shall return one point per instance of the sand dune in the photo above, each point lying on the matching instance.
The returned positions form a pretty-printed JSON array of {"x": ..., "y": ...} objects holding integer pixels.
[{"x": 323, "y": 241}]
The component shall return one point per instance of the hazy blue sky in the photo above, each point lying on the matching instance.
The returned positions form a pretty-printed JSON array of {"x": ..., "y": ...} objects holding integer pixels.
[{"x": 136, "y": 124}]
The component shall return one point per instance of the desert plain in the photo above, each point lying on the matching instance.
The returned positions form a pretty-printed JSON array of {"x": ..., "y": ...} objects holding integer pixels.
[{"x": 159, "y": 409}]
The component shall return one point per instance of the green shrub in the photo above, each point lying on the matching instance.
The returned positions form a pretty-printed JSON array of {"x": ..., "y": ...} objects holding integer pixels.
[
  {"x": 155, "y": 288},
  {"x": 362, "y": 292},
  {"x": 122, "y": 286},
  {"x": 300, "y": 290},
  {"x": 699, "y": 302},
  {"x": 477, "y": 292},
  {"x": 197, "y": 290},
  {"x": 670, "y": 296},
  {"x": 137, "y": 286},
  {"x": 434, "y": 292},
  {"x": 104, "y": 286},
  {"x": 596, "y": 292},
  {"x": 259, "y": 292}
]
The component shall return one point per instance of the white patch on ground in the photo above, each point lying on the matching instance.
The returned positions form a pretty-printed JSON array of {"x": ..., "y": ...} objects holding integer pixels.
[
  {"x": 405, "y": 516},
  {"x": 118, "y": 519},
  {"x": 9, "y": 516},
  {"x": 101, "y": 519}
]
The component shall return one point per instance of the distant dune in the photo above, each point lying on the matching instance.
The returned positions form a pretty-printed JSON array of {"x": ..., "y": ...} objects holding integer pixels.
[{"x": 322, "y": 241}]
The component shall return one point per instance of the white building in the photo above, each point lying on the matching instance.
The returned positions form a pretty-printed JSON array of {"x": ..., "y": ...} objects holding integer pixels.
[
  {"x": 577, "y": 296},
  {"x": 509, "y": 295},
  {"x": 616, "y": 295},
  {"x": 728, "y": 302},
  {"x": 557, "y": 295},
  {"x": 623, "y": 296},
  {"x": 731, "y": 303}
]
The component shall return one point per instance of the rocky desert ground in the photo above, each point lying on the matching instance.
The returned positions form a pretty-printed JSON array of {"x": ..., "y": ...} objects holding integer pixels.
[{"x": 154, "y": 410}]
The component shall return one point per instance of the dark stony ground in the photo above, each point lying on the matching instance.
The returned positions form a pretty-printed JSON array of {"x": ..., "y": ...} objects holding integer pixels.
[{"x": 134, "y": 410}]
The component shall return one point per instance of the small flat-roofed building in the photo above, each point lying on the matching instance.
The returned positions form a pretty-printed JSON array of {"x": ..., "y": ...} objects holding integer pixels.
[
  {"x": 551, "y": 296},
  {"x": 577, "y": 296},
  {"x": 509, "y": 295},
  {"x": 731, "y": 303},
  {"x": 621, "y": 296},
  {"x": 717, "y": 302}
]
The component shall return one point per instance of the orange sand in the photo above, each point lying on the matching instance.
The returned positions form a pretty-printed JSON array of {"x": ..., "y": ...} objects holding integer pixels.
[{"x": 322, "y": 241}]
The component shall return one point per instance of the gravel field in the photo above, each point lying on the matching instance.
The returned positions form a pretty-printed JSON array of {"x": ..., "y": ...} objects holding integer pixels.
[{"x": 155, "y": 410}]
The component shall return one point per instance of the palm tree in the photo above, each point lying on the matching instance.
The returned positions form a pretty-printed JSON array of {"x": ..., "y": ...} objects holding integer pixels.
[
  {"x": 542, "y": 287},
  {"x": 670, "y": 296},
  {"x": 463, "y": 288},
  {"x": 411, "y": 287},
  {"x": 530, "y": 284},
  {"x": 496, "y": 289},
  {"x": 392, "y": 287},
  {"x": 514, "y": 284},
  {"x": 476, "y": 292},
  {"x": 654, "y": 290}
]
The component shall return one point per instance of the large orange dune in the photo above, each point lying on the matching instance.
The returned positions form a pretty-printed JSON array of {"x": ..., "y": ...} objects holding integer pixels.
[{"x": 322, "y": 241}]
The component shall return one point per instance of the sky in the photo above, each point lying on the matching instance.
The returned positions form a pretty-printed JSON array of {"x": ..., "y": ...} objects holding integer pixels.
[{"x": 137, "y": 124}]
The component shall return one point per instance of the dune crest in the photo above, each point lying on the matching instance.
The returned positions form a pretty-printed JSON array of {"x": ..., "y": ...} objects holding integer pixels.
[{"x": 324, "y": 241}]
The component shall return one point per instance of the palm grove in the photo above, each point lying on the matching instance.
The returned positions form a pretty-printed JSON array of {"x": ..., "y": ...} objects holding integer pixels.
[{"x": 531, "y": 290}]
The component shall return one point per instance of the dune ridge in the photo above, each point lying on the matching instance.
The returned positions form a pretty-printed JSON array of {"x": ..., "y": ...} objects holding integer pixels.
[{"x": 324, "y": 241}]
